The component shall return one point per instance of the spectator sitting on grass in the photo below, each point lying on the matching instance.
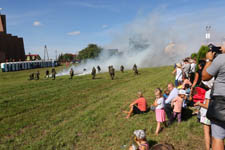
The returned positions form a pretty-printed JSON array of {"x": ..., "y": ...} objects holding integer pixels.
[
  {"x": 140, "y": 141},
  {"x": 139, "y": 106}
]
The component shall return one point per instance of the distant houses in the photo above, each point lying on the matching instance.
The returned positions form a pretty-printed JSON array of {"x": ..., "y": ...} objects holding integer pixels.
[{"x": 32, "y": 57}]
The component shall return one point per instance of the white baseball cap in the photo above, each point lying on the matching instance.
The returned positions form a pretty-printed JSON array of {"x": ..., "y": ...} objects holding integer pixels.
[{"x": 183, "y": 92}]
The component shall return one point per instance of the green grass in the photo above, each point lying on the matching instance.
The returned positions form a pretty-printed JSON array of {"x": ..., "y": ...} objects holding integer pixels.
[{"x": 83, "y": 114}]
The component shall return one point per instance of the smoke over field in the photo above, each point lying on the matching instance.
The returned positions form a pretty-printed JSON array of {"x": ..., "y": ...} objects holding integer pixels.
[{"x": 154, "y": 40}]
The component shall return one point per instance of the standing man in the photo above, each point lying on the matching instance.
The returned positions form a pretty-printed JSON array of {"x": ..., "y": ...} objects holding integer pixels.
[
  {"x": 111, "y": 72},
  {"x": 53, "y": 73},
  {"x": 31, "y": 76},
  {"x": 192, "y": 70},
  {"x": 167, "y": 107},
  {"x": 135, "y": 69},
  {"x": 93, "y": 72},
  {"x": 71, "y": 73},
  {"x": 216, "y": 110},
  {"x": 186, "y": 68},
  {"x": 122, "y": 68},
  {"x": 47, "y": 73},
  {"x": 99, "y": 69},
  {"x": 38, "y": 75}
]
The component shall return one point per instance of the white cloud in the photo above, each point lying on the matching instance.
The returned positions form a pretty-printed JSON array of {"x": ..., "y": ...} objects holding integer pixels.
[
  {"x": 104, "y": 26},
  {"x": 74, "y": 33},
  {"x": 37, "y": 23}
]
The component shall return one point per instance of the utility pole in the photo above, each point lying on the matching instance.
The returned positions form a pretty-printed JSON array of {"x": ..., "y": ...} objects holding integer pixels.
[
  {"x": 46, "y": 53},
  {"x": 56, "y": 55},
  {"x": 207, "y": 35}
]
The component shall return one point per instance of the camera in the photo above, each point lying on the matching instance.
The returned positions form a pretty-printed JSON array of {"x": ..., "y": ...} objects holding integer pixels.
[{"x": 214, "y": 49}]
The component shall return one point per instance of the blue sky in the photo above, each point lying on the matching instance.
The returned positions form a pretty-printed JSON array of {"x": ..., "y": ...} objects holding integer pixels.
[{"x": 70, "y": 25}]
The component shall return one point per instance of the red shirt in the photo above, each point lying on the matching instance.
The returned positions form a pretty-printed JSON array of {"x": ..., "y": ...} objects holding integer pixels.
[{"x": 142, "y": 104}]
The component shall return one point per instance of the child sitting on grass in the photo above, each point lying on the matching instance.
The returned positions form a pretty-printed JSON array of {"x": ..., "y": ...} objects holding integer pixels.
[
  {"x": 140, "y": 141},
  {"x": 159, "y": 110},
  {"x": 177, "y": 103},
  {"x": 139, "y": 106}
]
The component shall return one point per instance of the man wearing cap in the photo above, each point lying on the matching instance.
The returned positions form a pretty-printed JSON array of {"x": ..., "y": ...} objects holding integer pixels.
[
  {"x": 216, "y": 68},
  {"x": 167, "y": 107}
]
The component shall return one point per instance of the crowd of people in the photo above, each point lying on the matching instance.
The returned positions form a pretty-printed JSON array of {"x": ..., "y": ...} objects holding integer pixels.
[{"x": 199, "y": 86}]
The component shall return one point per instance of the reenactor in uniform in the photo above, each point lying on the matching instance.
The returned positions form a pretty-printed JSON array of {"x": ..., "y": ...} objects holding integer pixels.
[
  {"x": 71, "y": 73},
  {"x": 38, "y": 75},
  {"x": 93, "y": 72},
  {"x": 31, "y": 76},
  {"x": 135, "y": 69},
  {"x": 122, "y": 68},
  {"x": 47, "y": 74},
  {"x": 111, "y": 72},
  {"x": 99, "y": 69},
  {"x": 53, "y": 73}
]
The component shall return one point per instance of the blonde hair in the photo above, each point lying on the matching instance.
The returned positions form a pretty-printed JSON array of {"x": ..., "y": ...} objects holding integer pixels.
[{"x": 140, "y": 94}]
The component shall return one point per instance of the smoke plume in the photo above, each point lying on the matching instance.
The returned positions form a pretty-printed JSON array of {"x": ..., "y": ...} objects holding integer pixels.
[{"x": 155, "y": 40}]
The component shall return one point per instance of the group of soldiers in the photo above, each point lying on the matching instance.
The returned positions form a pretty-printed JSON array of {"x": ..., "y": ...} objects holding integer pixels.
[
  {"x": 111, "y": 70},
  {"x": 36, "y": 76}
]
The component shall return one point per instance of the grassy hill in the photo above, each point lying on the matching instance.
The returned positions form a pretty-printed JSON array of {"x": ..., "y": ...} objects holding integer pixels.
[{"x": 83, "y": 114}]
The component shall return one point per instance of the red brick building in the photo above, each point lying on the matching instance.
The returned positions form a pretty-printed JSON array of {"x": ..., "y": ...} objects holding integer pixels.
[{"x": 11, "y": 47}]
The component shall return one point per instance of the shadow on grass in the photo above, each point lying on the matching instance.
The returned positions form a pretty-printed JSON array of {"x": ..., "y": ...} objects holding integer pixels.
[
  {"x": 97, "y": 78},
  {"x": 151, "y": 143},
  {"x": 186, "y": 114}
]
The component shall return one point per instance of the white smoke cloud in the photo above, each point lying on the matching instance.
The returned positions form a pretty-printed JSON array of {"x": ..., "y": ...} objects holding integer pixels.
[{"x": 155, "y": 40}]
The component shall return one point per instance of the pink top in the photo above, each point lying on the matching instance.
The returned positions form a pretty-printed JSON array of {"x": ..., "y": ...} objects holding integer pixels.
[{"x": 177, "y": 102}]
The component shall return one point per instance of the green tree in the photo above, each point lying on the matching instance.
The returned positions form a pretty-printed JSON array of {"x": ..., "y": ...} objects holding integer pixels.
[
  {"x": 202, "y": 52},
  {"x": 91, "y": 51},
  {"x": 194, "y": 55},
  {"x": 65, "y": 57}
]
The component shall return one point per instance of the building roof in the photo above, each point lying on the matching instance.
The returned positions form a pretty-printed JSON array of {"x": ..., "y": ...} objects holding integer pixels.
[{"x": 32, "y": 55}]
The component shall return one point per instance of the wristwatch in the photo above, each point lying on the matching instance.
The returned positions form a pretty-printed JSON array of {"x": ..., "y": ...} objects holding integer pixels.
[{"x": 208, "y": 60}]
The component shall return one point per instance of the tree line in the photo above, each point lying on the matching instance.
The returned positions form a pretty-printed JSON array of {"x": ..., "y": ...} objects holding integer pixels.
[{"x": 91, "y": 51}]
